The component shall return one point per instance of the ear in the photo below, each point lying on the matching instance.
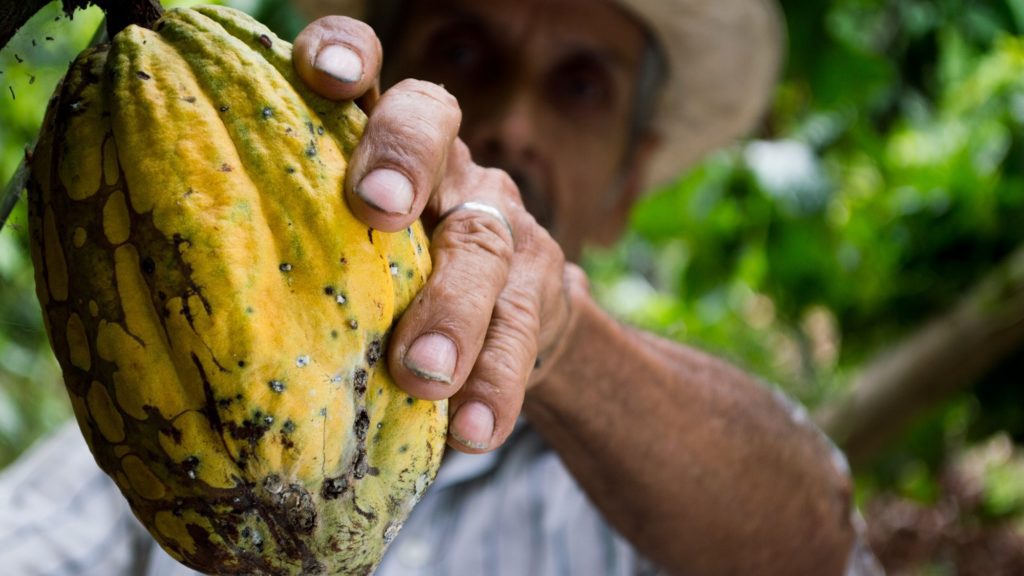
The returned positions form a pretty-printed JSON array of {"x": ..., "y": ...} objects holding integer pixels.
[{"x": 632, "y": 187}]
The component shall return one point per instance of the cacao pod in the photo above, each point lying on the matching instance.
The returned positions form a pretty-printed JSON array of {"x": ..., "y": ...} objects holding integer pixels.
[{"x": 218, "y": 313}]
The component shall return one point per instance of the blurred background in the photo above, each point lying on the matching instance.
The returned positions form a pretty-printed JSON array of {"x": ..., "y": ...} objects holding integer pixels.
[{"x": 864, "y": 251}]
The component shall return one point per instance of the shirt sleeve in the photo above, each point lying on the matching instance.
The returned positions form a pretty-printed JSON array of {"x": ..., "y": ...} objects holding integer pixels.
[{"x": 61, "y": 515}]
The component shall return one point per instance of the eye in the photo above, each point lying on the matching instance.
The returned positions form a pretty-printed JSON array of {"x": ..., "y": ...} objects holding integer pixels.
[
  {"x": 582, "y": 84},
  {"x": 458, "y": 51}
]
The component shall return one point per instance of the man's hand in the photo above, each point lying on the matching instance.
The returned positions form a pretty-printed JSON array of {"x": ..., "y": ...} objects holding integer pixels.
[{"x": 497, "y": 298}]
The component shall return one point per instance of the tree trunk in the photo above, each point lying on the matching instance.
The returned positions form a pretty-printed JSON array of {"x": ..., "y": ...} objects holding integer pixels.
[
  {"x": 945, "y": 356},
  {"x": 120, "y": 13},
  {"x": 14, "y": 15}
]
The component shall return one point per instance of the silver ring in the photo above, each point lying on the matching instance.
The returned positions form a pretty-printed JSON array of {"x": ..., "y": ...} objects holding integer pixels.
[{"x": 483, "y": 208}]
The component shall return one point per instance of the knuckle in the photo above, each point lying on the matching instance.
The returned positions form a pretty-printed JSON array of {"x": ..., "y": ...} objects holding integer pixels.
[
  {"x": 466, "y": 231},
  {"x": 517, "y": 314},
  {"x": 439, "y": 99}
]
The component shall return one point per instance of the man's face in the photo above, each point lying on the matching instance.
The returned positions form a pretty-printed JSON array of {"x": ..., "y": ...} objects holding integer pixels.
[{"x": 547, "y": 89}]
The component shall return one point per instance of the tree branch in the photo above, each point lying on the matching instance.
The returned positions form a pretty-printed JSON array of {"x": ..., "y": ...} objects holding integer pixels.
[{"x": 945, "y": 356}]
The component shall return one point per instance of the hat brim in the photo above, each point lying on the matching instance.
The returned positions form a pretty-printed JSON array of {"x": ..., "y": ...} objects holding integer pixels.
[{"x": 723, "y": 56}]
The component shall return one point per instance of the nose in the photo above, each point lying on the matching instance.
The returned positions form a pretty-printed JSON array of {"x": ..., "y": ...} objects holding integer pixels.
[{"x": 506, "y": 132}]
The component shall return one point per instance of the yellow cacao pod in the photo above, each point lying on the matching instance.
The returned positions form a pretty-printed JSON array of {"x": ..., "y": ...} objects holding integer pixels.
[{"x": 219, "y": 314}]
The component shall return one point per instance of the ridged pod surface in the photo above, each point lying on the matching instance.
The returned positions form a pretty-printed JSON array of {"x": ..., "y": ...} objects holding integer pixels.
[{"x": 219, "y": 314}]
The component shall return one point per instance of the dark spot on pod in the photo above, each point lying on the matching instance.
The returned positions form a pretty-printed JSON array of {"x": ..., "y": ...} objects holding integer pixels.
[
  {"x": 359, "y": 381},
  {"x": 323, "y": 411},
  {"x": 320, "y": 130},
  {"x": 403, "y": 448},
  {"x": 393, "y": 268},
  {"x": 18, "y": 58},
  {"x": 353, "y": 324},
  {"x": 343, "y": 261},
  {"x": 361, "y": 467},
  {"x": 409, "y": 400},
  {"x": 334, "y": 334},
  {"x": 142, "y": 75},
  {"x": 243, "y": 458},
  {"x": 242, "y": 503},
  {"x": 333, "y": 488},
  {"x": 267, "y": 112},
  {"x": 225, "y": 167},
  {"x": 373, "y": 352},
  {"x": 190, "y": 99},
  {"x": 362, "y": 425},
  {"x": 225, "y": 108},
  {"x": 224, "y": 402},
  {"x": 189, "y": 467},
  {"x": 179, "y": 241},
  {"x": 276, "y": 385},
  {"x": 369, "y": 234},
  {"x": 241, "y": 363},
  {"x": 288, "y": 427},
  {"x": 268, "y": 420},
  {"x": 249, "y": 310},
  {"x": 285, "y": 267},
  {"x": 294, "y": 501},
  {"x": 289, "y": 169},
  {"x": 380, "y": 425},
  {"x": 408, "y": 274},
  {"x": 265, "y": 41},
  {"x": 329, "y": 290},
  {"x": 148, "y": 266},
  {"x": 251, "y": 430},
  {"x": 311, "y": 149}
]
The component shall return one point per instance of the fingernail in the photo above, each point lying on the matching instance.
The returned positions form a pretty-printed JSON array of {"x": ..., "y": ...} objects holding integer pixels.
[
  {"x": 473, "y": 426},
  {"x": 386, "y": 190},
  {"x": 339, "y": 63},
  {"x": 432, "y": 357}
]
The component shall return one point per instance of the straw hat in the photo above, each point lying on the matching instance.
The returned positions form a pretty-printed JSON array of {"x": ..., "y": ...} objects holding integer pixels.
[{"x": 723, "y": 61}]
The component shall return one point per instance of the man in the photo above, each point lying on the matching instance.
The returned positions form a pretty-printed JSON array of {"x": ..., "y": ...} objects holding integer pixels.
[{"x": 580, "y": 446}]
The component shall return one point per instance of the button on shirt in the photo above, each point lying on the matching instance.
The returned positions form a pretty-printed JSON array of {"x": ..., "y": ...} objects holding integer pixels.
[{"x": 512, "y": 512}]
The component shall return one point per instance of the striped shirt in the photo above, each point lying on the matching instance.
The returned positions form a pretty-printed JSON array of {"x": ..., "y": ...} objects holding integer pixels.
[{"x": 513, "y": 512}]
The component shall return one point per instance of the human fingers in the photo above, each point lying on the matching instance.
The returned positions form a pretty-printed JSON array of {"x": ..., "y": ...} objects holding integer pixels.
[
  {"x": 403, "y": 154},
  {"x": 530, "y": 311},
  {"x": 338, "y": 57},
  {"x": 495, "y": 300},
  {"x": 435, "y": 344}
]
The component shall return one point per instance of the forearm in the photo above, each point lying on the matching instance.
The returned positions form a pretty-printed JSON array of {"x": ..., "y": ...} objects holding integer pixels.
[{"x": 689, "y": 458}]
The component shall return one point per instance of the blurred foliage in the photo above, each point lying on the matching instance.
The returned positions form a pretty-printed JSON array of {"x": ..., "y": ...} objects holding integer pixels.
[{"x": 887, "y": 179}]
